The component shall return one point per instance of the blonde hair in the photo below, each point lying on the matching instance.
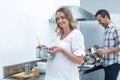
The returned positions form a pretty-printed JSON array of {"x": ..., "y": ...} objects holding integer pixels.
[{"x": 68, "y": 16}]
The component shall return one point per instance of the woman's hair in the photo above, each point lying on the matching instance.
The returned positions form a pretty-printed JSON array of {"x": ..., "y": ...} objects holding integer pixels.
[{"x": 68, "y": 16}]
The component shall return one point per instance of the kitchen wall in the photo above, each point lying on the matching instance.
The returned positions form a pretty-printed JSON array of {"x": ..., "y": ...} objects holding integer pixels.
[
  {"x": 21, "y": 22},
  {"x": 93, "y": 33},
  {"x": 111, "y": 5}
]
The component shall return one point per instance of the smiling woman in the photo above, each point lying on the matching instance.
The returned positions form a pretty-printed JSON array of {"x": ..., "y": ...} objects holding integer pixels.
[{"x": 67, "y": 54}]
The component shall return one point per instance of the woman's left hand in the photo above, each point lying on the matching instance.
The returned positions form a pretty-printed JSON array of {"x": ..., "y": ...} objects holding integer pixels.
[{"x": 55, "y": 49}]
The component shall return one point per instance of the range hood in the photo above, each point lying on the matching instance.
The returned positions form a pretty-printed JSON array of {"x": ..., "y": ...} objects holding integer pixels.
[{"x": 79, "y": 14}]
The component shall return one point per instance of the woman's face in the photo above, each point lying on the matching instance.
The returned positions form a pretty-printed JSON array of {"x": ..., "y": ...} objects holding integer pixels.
[{"x": 61, "y": 20}]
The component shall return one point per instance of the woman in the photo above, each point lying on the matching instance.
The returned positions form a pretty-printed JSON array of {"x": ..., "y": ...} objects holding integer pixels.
[{"x": 67, "y": 48}]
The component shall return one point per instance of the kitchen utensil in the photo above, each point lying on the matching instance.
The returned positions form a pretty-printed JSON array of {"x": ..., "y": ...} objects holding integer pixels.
[
  {"x": 89, "y": 59},
  {"x": 42, "y": 52},
  {"x": 92, "y": 57}
]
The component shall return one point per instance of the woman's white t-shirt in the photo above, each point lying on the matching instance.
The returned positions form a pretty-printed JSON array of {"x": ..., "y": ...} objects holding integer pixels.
[{"x": 61, "y": 67}]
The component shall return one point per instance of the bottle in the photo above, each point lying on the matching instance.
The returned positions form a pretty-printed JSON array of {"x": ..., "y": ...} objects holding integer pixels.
[{"x": 27, "y": 69}]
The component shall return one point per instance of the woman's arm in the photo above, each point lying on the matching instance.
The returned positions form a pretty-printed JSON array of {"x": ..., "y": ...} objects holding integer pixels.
[{"x": 71, "y": 56}]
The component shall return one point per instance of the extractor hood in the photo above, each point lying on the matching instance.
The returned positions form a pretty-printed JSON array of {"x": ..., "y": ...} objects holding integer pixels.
[{"x": 79, "y": 14}]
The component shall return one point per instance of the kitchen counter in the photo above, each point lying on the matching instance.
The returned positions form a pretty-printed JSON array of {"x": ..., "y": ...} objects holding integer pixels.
[
  {"x": 8, "y": 71},
  {"x": 92, "y": 73},
  {"x": 90, "y": 69},
  {"x": 83, "y": 70}
]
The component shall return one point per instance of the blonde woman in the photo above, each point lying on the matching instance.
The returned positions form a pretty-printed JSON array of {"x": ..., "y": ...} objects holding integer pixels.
[{"x": 67, "y": 47}]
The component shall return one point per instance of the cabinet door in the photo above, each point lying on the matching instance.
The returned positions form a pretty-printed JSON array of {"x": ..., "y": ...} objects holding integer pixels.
[{"x": 99, "y": 75}]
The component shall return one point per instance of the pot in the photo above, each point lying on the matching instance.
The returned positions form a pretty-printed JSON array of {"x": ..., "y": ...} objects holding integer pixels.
[
  {"x": 42, "y": 52},
  {"x": 92, "y": 57},
  {"x": 89, "y": 60},
  {"x": 93, "y": 51}
]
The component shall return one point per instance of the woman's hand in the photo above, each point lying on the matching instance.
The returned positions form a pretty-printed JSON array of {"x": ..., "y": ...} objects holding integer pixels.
[
  {"x": 55, "y": 49},
  {"x": 74, "y": 58}
]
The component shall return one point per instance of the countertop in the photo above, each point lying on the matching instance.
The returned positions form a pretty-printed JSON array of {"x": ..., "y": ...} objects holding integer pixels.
[{"x": 85, "y": 70}]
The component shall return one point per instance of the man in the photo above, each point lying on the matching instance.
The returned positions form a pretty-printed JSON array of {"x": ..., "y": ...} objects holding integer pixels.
[{"x": 111, "y": 45}]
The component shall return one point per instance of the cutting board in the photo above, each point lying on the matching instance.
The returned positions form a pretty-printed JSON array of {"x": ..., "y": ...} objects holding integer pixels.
[{"x": 22, "y": 75}]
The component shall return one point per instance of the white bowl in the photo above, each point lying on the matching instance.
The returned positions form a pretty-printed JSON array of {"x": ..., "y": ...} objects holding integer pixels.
[{"x": 41, "y": 66}]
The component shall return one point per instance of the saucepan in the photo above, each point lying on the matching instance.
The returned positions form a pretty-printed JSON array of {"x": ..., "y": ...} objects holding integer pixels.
[
  {"x": 42, "y": 52},
  {"x": 92, "y": 51},
  {"x": 92, "y": 57}
]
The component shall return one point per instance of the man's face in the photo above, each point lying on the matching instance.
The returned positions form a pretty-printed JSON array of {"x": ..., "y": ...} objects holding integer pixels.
[{"x": 101, "y": 20}]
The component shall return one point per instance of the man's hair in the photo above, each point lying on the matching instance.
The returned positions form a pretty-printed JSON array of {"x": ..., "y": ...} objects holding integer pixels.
[{"x": 103, "y": 13}]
